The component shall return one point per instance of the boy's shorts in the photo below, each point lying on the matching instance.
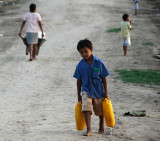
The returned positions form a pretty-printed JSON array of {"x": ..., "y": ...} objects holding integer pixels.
[
  {"x": 126, "y": 41},
  {"x": 87, "y": 103},
  {"x": 135, "y": 6}
]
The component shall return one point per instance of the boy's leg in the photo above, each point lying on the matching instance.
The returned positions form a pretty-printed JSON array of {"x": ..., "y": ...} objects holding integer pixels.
[
  {"x": 87, "y": 110},
  {"x": 35, "y": 52},
  {"x": 88, "y": 123},
  {"x": 126, "y": 47},
  {"x": 125, "y": 50},
  {"x": 98, "y": 110},
  {"x": 101, "y": 124},
  {"x": 31, "y": 52},
  {"x": 136, "y": 12}
]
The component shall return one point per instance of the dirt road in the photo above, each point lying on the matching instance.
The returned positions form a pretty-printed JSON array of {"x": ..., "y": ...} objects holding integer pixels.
[{"x": 37, "y": 99}]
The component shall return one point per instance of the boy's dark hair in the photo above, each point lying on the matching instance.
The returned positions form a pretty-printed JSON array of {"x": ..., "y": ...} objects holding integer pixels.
[
  {"x": 125, "y": 16},
  {"x": 32, "y": 7},
  {"x": 84, "y": 43}
]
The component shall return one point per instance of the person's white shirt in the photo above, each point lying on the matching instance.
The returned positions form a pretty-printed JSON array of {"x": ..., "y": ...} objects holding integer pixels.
[{"x": 32, "y": 20}]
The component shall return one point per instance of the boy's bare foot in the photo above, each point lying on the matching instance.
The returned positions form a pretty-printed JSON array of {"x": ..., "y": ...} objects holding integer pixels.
[
  {"x": 101, "y": 131},
  {"x": 30, "y": 59},
  {"x": 88, "y": 133},
  {"x": 35, "y": 58}
]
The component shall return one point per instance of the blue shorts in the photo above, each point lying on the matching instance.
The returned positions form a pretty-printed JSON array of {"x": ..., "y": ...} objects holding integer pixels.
[
  {"x": 32, "y": 38},
  {"x": 136, "y": 6}
]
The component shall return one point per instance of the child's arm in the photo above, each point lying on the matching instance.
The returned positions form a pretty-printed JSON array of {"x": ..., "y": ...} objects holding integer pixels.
[
  {"x": 40, "y": 25},
  {"x": 79, "y": 85},
  {"x": 20, "y": 32},
  {"x": 130, "y": 25},
  {"x": 130, "y": 22},
  {"x": 104, "y": 81}
]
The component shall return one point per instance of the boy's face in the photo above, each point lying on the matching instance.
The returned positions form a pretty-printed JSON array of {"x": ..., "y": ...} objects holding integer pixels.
[
  {"x": 85, "y": 52},
  {"x": 127, "y": 19}
]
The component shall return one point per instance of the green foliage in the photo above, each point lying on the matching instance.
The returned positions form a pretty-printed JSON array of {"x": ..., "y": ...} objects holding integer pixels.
[
  {"x": 148, "y": 44},
  {"x": 139, "y": 76},
  {"x": 114, "y": 30}
]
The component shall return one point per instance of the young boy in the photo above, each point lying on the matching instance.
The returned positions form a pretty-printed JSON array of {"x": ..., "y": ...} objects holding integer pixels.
[
  {"x": 125, "y": 31},
  {"x": 136, "y": 6},
  {"x": 91, "y": 81}
]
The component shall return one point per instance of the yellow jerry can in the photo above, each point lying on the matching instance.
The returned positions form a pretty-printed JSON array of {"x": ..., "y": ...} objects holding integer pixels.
[
  {"x": 108, "y": 112},
  {"x": 79, "y": 117}
]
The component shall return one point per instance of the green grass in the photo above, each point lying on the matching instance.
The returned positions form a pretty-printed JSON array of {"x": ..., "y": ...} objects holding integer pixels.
[
  {"x": 114, "y": 30},
  {"x": 107, "y": 6},
  {"x": 15, "y": 7},
  {"x": 158, "y": 93},
  {"x": 139, "y": 76},
  {"x": 148, "y": 44}
]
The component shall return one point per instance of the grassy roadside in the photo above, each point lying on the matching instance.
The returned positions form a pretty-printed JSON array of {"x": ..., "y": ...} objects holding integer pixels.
[
  {"x": 139, "y": 76},
  {"x": 5, "y": 3},
  {"x": 114, "y": 30}
]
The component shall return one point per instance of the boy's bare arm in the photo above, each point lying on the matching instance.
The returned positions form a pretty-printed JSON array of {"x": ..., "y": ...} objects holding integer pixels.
[
  {"x": 79, "y": 85},
  {"x": 130, "y": 24},
  {"x": 20, "y": 32},
  {"x": 40, "y": 25},
  {"x": 105, "y": 87}
]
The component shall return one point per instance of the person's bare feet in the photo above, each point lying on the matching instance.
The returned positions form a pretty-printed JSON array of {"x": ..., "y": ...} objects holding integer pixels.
[
  {"x": 101, "y": 131},
  {"x": 35, "y": 58},
  {"x": 30, "y": 59},
  {"x": 88, "y": 133}
]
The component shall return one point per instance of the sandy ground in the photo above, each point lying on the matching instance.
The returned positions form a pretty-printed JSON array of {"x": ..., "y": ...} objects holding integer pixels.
[{"x": 37, "y": 99}]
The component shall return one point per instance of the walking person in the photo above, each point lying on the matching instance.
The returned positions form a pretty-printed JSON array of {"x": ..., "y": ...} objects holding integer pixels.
[
  {"x": 136, "y": 6},
  {"x": 33, "y": 20},
  {"x": 91, "y": 78},
  {"x": 125, "y": 32}
]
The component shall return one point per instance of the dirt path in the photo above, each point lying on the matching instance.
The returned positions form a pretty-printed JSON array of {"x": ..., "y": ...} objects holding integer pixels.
[{"x": 38, "y": 98}]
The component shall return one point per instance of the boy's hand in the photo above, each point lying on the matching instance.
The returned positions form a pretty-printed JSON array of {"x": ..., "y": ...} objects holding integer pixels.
[
  {"x": 80, "y": 99},
  {"x": 106, "y": 95},
  {"x": 19, "y": 33},
  {"x": 42, "y": 34},
  {"x": 130, "y": 22}
]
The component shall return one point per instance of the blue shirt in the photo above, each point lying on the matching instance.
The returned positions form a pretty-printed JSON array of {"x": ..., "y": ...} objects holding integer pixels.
[{"x": 92, "y": 76}]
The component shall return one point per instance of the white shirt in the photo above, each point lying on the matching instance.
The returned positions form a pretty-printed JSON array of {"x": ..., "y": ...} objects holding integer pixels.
[{"x": 32, "y": 20}]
